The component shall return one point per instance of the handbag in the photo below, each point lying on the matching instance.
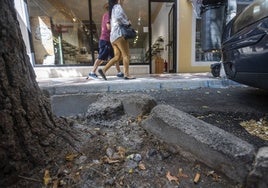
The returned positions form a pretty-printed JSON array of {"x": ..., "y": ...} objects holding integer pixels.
[{"x": 128, "y": 32}]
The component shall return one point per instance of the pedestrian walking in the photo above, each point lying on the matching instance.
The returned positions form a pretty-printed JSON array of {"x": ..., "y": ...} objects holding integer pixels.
[
  {"x": 119, "y": 43},
  {"x": 105, "y": 48}
]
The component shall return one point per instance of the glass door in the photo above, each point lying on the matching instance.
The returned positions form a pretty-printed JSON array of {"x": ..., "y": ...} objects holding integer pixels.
[
  {"x": 162, "y": 36},
  {"x": 171, "y": 64}
]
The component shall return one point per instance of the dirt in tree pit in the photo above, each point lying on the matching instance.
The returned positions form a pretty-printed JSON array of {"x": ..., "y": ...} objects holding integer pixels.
[{"x": 120, "y": 153}]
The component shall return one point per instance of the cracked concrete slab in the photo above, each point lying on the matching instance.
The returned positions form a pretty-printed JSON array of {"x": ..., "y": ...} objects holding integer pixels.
[
  {"x": 214, "y": 147},
  {"x": 258, "y": 177}
]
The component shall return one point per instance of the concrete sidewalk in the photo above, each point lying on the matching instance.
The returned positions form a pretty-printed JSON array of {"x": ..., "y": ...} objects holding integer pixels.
[{"x": 58, "y": 86}]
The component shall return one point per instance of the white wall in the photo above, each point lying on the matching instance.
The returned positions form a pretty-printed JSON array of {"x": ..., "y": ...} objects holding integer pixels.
[{"x": 23, "y": 16}]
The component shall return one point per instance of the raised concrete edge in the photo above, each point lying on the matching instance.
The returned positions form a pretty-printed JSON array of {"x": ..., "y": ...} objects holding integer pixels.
[
  {"x": 214, "y": 147},
  {"x": 258, "y": 177},
  {"x": 139, "y": 84},
  {"x": 72, "y": 104}
]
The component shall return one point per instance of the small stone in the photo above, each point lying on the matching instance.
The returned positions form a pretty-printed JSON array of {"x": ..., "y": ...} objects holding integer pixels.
[
  {"x": 130, "y": 164},
  {"x": 151, "y": 153},
  {"x": 110, "y": 182},
  {"x": 109, "y": 152},
  {"x": 137, "y": 157},
  {"x": 81, "y": 159}
]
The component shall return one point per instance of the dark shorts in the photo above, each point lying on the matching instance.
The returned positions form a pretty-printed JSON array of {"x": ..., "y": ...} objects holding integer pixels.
[{"x": 105, "y": 50}]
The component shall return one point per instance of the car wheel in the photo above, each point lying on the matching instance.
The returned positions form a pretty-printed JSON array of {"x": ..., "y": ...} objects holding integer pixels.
[
  {"x": 215, "y": 69},
  {"x": 229, "y": 69}
]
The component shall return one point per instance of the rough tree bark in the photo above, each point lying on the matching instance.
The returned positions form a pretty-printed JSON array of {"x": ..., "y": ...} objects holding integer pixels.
[{"x": 28, "y": 129}]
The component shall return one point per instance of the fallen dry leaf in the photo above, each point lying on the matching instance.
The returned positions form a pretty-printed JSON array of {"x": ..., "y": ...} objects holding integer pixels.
[
  {"x": 139, "y": 118},
  {"x": 55, "y": 183},
  {"x": 210, "y": 173},
  {"x": 70, "y": 157},
  {"x": 181, "y": 174},
  {"x": 77, "y": 177},
  {"x": 47, "y": 178},
  {"x": 106, "y": 159},
  {"x": 142, "y": 166},
  {"x": 121, "y": 151},
  {"x": 215, "y": 176},
  {"x": 62, "y": 183},
  {"x": 121, "y": 180},
  {"x": 257, "y": 128},
  {"x": 172, "y": 178},
  {"x": 197, "y": 167},
  {"x": 129, "y": 121}
]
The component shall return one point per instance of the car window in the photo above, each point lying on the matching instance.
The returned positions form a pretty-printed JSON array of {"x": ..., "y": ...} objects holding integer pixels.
[{"x": 254, "y": 12}]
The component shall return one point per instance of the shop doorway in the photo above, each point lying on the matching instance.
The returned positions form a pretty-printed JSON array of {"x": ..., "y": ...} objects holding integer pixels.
[
  {"x": 172, "y": 66},
  {"x": 162, "y": 36}
]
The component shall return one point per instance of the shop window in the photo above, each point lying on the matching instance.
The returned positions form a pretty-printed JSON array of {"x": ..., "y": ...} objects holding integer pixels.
[
  {"x": 66, "y": 32},
  {"x": 208, "y": 48},
  {"x": 59, "y": 35},
  {"x": 200, "y": 54},
  {"x": 203, "y": 46},
  {"x": 137, "y": 12}
]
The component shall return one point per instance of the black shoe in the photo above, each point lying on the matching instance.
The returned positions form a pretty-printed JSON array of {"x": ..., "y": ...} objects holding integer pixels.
[
  {"x": 120, "y": 75},
  {"x": 102, "y": 74},
  {"x": 129, "y": 78}
]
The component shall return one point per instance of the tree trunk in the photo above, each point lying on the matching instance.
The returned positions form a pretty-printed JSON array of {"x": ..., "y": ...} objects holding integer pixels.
[{"x": 28, "y": 129}]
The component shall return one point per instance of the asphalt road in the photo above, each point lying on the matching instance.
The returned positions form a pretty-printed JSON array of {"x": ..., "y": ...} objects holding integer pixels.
[{"x": 224, "y": 108}]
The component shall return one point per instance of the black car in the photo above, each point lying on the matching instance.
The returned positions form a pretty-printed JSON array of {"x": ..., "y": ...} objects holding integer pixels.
[{"x": 245, "y": 46}]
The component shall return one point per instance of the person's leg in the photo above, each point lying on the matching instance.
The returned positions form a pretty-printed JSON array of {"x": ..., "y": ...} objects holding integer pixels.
[
  {"x": 104, "y": 52},
  {"x": 117, "y": 65},
  {"x": 119, "y": 73},
  {"x": 116, "y": 58},
  {"x": 93, "y": 74},
  {"x": 123, "y": 46},
  {"x": 97, "y": 63}
]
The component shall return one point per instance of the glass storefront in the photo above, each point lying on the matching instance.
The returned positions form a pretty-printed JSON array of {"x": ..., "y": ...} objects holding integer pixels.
[
  {"x": 201, "y": 55},
  {"x": 59, "y": 36},
  {"x": 66, "y": 32},
  {"x": 209, "y": 48}
]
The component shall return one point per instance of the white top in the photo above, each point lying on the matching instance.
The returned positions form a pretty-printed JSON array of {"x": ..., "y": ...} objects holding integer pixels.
[{"x": 118, "y": 17}]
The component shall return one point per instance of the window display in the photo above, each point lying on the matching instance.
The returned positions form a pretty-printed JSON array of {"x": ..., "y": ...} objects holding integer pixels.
[
  {"x": 200, "y": 54},
  {"x": 66, "y": 32},
  {"x": 59, "y": 36},
  {"x": 209, "y": 49}
]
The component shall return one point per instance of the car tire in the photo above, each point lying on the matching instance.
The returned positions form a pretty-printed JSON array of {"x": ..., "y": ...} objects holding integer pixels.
[{"x": 215, "y": 69}]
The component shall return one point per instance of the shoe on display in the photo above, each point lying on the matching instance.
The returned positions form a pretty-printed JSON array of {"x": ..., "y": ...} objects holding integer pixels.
[{"x": 120, "y": 75}]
